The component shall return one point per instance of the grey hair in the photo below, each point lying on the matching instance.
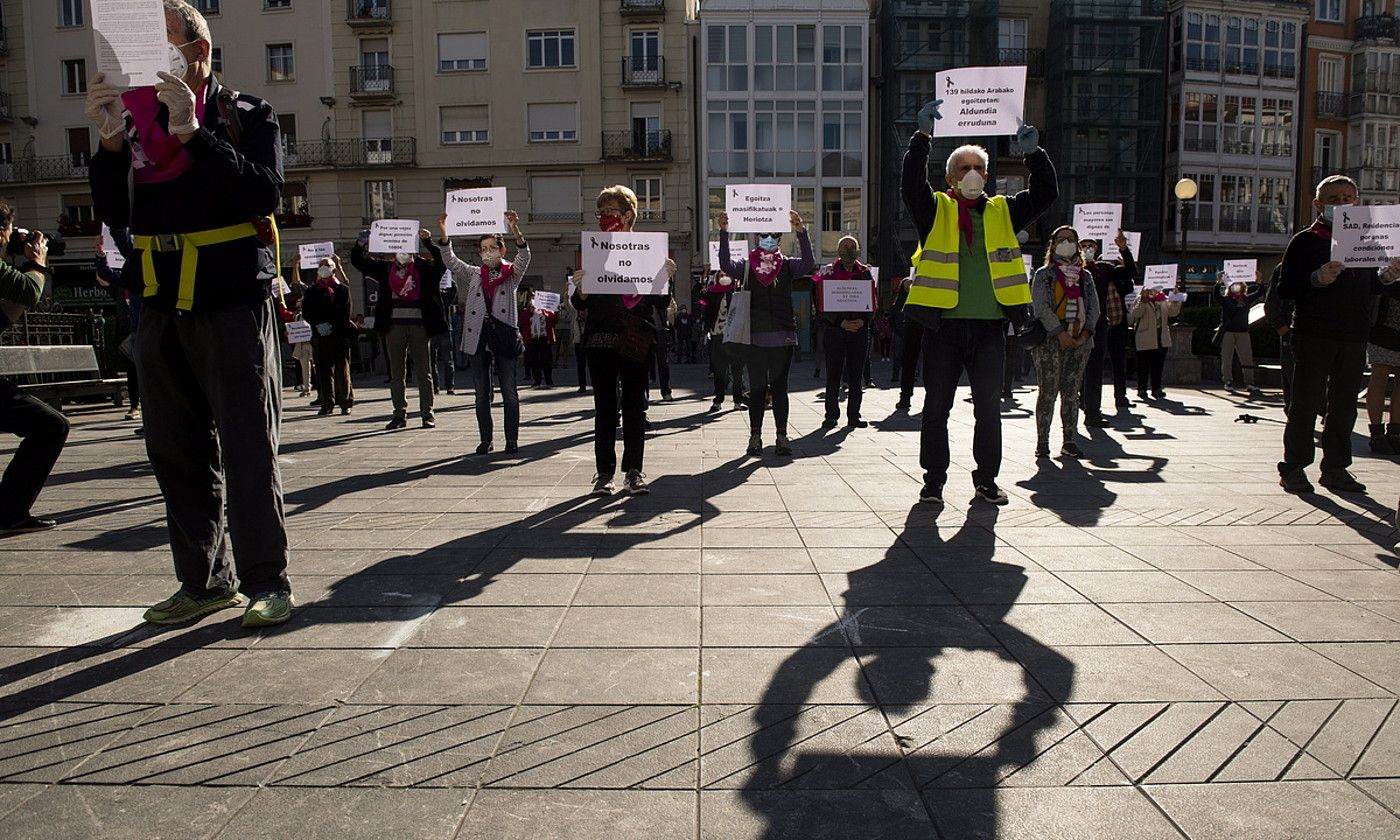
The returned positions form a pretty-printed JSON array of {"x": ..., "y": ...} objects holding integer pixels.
[
  {"x": 1334, "y": 179},
  {"x": 963, "y": 150},
  {"x": 195, "y": 26}
]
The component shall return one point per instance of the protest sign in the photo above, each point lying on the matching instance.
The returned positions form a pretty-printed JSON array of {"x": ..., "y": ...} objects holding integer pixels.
[
  {"x": 980, "y": 101},
  {"x": 1240, "y": 271},
  {"x": 1029, "y": 263},
  {"x": 625, "y": 263},
  {"x": 476, "y": 212},
  {"x": 1159, "y": 277},
  {"x": 298, "y": 332},
  {"x": 1098, "y": 221},
  {"x": 548, "y": 301},
  {"x": 846, "y": 296},
  {"x": 129, "y": 40},
  {"x": 393, "y": 236},
  {"x": 1110, "y": 247},
  {"x": 714, "y": 256},
  {"x": 1366, "y": 236},
  {"x": 758, "y": 208},
  {"x": 109, "y": 248},
  {"x": 313, "y": 253}
]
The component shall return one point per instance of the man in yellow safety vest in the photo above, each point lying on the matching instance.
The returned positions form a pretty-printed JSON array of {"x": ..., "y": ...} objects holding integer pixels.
[{"x": 969, "y": 279}]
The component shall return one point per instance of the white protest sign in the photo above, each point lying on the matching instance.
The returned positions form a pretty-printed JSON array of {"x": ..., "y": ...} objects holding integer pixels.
[
  {"x": 875, "y": 274},
  {"x": 393, "y": 236},
  {"x": 1240, "y": 271},
  {"x": 569, "y": 288},
  {"x": 1131, "y": 297},
  {"x": 980, "y": 101},
  {"x": 548, "y": 301},
  {"x": 1098, "y": 221},
  {"x": 1256, "y": 312},
  {"x": 298, "y": 332},
  {"x": 312, "y": 253},
  {"x": 1176, "y": 297},
  {"x": 1110, "y": 247},
  {"x": 282, "y": 286},
  {"x": 1028, "y": 260},
  {"x": 109, "y": 248},
  {"x": 714, "y": 256},
  {"x": 625, "y": 263},
  {"x": 846, "y": 296},
  {"x": 1159, "y": 277},
  {"x": 758, "y": 208},
  {"x": 476, "y": 211},
  {"x": 1366, "y": 237},
  {"x": 129, "y": 39},
  {"x": 368, "y": 322}
]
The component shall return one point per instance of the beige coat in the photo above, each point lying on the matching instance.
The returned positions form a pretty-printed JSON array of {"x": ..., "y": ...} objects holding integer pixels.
[{"x": 1153, "y": 329}]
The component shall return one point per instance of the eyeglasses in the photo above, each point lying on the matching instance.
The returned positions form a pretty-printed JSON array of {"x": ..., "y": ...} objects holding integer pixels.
[{"x": 608, "y": 211}]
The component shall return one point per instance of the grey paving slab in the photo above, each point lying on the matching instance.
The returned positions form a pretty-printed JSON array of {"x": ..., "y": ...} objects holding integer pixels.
[
  {"x": 1274, "y": 812},
  {"x": 100, "y": 811},
  {"x": 1049, "y": 814},
  {"x": 581, "y": 815},
  {"x": 353, "y": 814}
]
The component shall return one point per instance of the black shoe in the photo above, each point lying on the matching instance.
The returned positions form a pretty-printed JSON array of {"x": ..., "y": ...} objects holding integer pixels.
[
  {"x": 829, "y": 423},
  {"x": 902, "y": 405},
  {"x": 1380, "y": 444},
  {"x": 1159, "y": 395},
  {"x": 512, "y": 447},
  {"x": 1142, "y": 396},
  {"x": 1341, "y": 481},
  {"x": 325, "y": 410},
  {"x": 857, "y": 424},
  {"x": 666, "y": 396},
  {"x": 396, "y": 423},
  {"x": 484, "y": 447},
  {"x": 1122, "y": 402},
  {"x": 344, "y": 410},
  {"x": 716, "y": 405},
  {"x": 991, "y": 493},
  {"x": 29, "y": 525},
  {"x": 1295, "y": 481},
  {"x": 583, "y": 389},
  {"x": 1070, "y": 450},
  {"x": 1096, "y": 422},
  {"x": 931, "y": 495},
  {"x": 429, "y": 423},
  {"x": 1042, "y": 450}
]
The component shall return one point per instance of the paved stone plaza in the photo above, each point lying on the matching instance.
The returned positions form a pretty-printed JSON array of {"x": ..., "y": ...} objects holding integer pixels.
[{"x": 1155, "y": 642}]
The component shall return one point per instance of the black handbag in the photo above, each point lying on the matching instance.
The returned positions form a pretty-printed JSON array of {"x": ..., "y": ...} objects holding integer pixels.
[
  {"x": 1033, "y": 333},
  {"x": 502, "y": 340}
]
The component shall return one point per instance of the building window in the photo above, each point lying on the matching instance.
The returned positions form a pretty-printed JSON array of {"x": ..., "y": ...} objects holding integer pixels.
[
  {"x": 1273, "y": 205},
  {"x": 1200, "y": 122},
  {"x": 1276, "y": 127},
  {"x": 1203, "y": 208},
  {"x": 785, "y": 58},
  {"x": 1242, "y": 46},
  {"x": 784, "y": 138},
  {"x": 934, "y": 38},
  {"x": 74, "y": 76},
  {"x": 277, "y": 4},
  {"x": 1202, "y": 42},
  {"x": 840, "y": 216},
  {"x": 461, "y": 51},
  {"x": 842, "y": 136},
  {"x": 727, "y": 137},
  {"x": 1236, "y": 203},
  {"x": 555, "y": 198},
  {"x": 1329, "y": 11},
  {"x": 914, "y": 89},
  {"x": 70, "y": 12},
  {"x": 216, "y": 59},
  {"x": 842, "y": 58},
  {"x": 281, "y": 66},
  {"x": 294, "y": 208},
  {"x": 727, "y": 57},
  {"x": 463, "y": 124},
  {"x": 1280, "y": 50},
  {"x": 78, "y": 208},
  {"x": 379, "y": 200},
  {"x": 287, "y": 131},
  {"x": 377, "y": 133},
  {"x": 79, "y": 146},
  {"x": 549, "y": 48},
  {"x": 552, "y": 122},
  {"x": 1011, "y": 34},
  {"x": 207, "y": 7},
  {"x": 1239, "y": 125},
  {"x": 648, "y": 190}
]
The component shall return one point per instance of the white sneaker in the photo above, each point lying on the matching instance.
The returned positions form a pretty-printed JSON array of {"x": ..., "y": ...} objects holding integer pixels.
[
  {"x": 133, "y": 413},
  {"x": 603, "y": 485},
  {"x": 635, "y": 483}
]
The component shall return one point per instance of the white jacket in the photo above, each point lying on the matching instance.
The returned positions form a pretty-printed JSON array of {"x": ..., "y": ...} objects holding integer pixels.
[{"x": 468, "y": 280}]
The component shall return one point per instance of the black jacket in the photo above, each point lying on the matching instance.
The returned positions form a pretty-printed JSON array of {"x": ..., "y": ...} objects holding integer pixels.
[
  {"x": 430, "y": 273},
  {"x": 770, "y": 306},
  {"x": 327, "y": 305},
  {"x": 224, "y": 186},
  {"x": 605, "y": 315},
  {"x": 1234, "y": 313},
  {"x": 1121, "y": 276},
  {"x": 1340, "y": 311},
  {"x": 1277, "y": 311}
]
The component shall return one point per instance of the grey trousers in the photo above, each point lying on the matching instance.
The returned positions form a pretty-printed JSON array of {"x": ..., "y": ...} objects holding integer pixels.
[
  {"x": 401, "y": 340},
  {"x": 211, "y": 384},
  {"x": 1236, "y": 344}
]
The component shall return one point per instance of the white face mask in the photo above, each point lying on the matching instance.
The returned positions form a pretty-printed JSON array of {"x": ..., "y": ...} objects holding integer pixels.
[
  {"x": 178, "y": 65},
  {"x": 325, "y": 271},
  {"x": 1065, "y": 250},
  {"x": 403, "y": 259},
  {"x": 1090, "y": 253},
  {"x": 971, "y": 184}
]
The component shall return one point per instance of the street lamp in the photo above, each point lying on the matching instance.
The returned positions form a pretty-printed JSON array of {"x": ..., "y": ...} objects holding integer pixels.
[{"x": 1185, "y": 190}]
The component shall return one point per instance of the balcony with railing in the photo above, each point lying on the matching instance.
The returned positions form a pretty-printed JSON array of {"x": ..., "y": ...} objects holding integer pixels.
[
  {"x": 1033, "y": 58},
  {"x": 1198, "y": 144},
  {"x": 1203, "y": 65},
  {"x": 349, "y": 153},
  {"x": 49, "y": 168},
  {"x": 1379, "y": 104},
  {"x": 1280, "y": 71},
  {"x": 1377, "y": 28},
  {"x": 368, "y": 13},
  {"x": 643, "y": 8},
  {"x": 644, "y": 71},
  {"x": 372, "y": 81},
  {"x": 4, "y": 41},
  {"x": 637, "y": 145},
  {"x": 1236, "y": 147},
  {"x": 1331, "y": 104}
]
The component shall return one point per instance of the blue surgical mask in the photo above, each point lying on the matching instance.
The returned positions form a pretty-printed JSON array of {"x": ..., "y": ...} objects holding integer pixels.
[
  {"x": 1327, "y": 211},
  {"x": 767, "y": 243}
]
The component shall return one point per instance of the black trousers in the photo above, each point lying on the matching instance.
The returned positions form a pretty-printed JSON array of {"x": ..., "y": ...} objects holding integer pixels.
[
  {"x": 659, "y": 361},
  {"x": 609, "y": 371},
  {"x": 1111, "y": 344},
  {"x": 42, "y": 432},
  {"x": 908, "y": 361},
  {"x": 979, "y": 348},
  {"x": 768, "y": 375},
  {"x": 727, "y": 369},
  {"x": 581, "y": 362},
  {"x": 1285, "y": 352},
  {"x": 542, "y": 360},
  {"x": 1327, "y": 376},
  {"x": 1150, "y": 364},
  {"x": 846, "y": 354}
]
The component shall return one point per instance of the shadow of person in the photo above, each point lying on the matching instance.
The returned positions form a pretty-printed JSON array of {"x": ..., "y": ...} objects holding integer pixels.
[
  {"x": 1364, "y": 522},
  {"x": 906, "y": 617},
  {"x": 1078, "y": 491}
]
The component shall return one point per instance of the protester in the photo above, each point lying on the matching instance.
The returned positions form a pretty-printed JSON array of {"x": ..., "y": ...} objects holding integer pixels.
[
  {"x": 772, "y": 324},
  {"x": 443, "y": 348},
  {"x": 659, "y": 362},
  {"x": 1065, "y": 300},
  {"x": 128, "y": 304},
  {"x": 199, "y": 204},
  {"x": 288, "y": 310},
  {"x": 685, "y": 337},
  {"x": 1235, "y": 303},
  {"x": 326, "y": 307},
  {"x": 1152, "y": 313},
  {"x": 41, "y": 430},
  {"x": 1383, "y": 352},
  {"x": 846, "y": 336},
  {"x": 726, "y": 364},
  {"x": 969, "y": 280},
  {"x": 617, "y": 378},
  {"x": 1330, "y": 326},
  {"x": 537, "y": 331},
  {"x": 883, "y": 334},
  {"x": 491, "y": 328},
  {"x": 1113, "y": 282},
  {"x": 408, "y": 314}
]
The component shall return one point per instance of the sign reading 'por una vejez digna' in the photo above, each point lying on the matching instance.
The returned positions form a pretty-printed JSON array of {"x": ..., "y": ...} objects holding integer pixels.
[{"x": 625, "y": 263}]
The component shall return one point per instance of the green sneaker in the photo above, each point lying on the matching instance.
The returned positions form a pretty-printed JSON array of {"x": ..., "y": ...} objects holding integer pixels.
[
  {"x": 269, "y": 608},
  {"x": 184, "y": 606}
]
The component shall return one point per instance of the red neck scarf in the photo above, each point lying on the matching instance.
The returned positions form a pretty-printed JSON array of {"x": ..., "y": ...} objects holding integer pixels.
[
  {"x": 965, "y": 206},
  {"x": 489, "y": 286},
  {"x": 1322, "y": 229},
  {"x": 404, "y": 282},
  {"x": 837, "y": 271},
  {"x": 1070, "y": 277},
  {"x": 765, "y": 265},
  {"x": 157, "y": 155}
]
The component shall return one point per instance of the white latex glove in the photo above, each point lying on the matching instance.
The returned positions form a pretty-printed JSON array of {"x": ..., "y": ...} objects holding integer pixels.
[
  {"x": 103, "y": 107},
  {"x": 179, "y": 100}
]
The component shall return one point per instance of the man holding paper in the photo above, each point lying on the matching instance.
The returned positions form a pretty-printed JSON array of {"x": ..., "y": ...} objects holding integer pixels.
[
  {"x": 969, "y": 279},
  {"x": 845, "y": 293},
  {"x": 1330, "y": 326},
  {"x": 195, "y": 171}
]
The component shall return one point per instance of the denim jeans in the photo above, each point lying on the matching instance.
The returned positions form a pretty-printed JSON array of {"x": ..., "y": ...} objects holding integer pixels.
[
  {"x": 481, "y": 363},
  {"x": 979, "y": 348}
]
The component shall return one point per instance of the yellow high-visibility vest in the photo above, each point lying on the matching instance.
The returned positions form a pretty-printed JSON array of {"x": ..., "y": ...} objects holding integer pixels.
[{"x": 936, "y": 263}]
